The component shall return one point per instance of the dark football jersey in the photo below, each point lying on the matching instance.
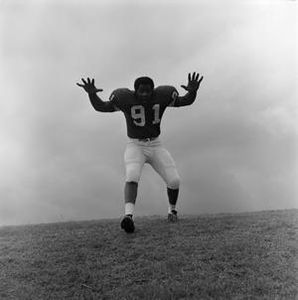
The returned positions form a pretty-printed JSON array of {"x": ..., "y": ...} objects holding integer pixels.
[{"x": 143, "y": 118}]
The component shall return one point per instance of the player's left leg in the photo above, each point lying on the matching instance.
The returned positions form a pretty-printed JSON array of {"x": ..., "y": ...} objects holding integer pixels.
[{"x": 165, "y": 166}]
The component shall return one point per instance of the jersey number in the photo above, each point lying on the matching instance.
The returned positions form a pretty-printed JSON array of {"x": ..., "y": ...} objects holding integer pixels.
[{"x": 138, "y": 114}]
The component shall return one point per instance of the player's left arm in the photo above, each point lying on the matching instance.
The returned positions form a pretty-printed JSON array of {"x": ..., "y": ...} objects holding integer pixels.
[{"x": 192, "y": 87}]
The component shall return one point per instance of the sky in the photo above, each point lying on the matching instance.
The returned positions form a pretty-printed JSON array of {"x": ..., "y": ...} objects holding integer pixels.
[{"x": 235, "y": 147}]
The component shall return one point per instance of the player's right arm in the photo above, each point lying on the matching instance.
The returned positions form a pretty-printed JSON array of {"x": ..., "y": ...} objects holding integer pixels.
[{"x": 96, "y": 102}]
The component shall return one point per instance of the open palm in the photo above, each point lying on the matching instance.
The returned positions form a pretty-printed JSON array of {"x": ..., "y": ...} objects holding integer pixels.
[
  {"x": 89, "y": 86},
  {"x": 194, "y": 82}
]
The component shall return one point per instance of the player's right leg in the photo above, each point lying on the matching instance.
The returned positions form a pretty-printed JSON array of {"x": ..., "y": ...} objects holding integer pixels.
[{"x": 134, "y": 161}]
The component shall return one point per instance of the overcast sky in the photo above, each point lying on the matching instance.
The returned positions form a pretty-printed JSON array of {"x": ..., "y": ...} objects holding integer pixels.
[{"x": 235, "y": 147}]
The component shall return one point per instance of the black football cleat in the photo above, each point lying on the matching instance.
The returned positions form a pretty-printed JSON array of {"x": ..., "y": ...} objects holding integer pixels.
[
  {"x": 172, "y": 216},
  {"x": 127, "y": 224}
]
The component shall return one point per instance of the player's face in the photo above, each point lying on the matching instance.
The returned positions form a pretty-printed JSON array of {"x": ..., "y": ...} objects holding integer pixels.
[{"x": 144, "y": 92}]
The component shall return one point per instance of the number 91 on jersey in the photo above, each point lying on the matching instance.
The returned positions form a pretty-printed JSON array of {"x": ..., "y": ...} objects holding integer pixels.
[{"x": 139, "y": 116}]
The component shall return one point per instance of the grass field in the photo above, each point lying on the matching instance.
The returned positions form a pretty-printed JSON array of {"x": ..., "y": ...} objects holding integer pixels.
[{"x": 224, "y": 256}]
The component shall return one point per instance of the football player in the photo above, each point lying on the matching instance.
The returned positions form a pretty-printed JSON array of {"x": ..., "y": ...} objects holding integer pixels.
[{"x": 143, "y": 109}]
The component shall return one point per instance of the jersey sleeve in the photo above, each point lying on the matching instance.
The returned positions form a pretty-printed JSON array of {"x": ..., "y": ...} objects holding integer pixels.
[
  {"x": 114, "y": 100},
  {"x": 173, "y": 95}
]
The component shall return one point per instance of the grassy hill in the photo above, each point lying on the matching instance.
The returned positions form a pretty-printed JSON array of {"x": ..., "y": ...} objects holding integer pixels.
[{"x": 224, "y": 256}]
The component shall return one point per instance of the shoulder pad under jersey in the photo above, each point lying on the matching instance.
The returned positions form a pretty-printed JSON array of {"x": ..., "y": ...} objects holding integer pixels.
[
  {"x": 167, "y": 92},
  {"x": 121, "y": 98}
]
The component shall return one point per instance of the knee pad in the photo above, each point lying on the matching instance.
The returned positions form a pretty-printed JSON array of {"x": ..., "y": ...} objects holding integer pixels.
[
  {"x": 174, "y": 183},
  {"x": 133, "y": 173}
]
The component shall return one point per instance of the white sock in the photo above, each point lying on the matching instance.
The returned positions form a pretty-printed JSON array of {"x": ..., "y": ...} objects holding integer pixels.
[
  {"x": 129, "y": 208},
  {"x": 171, "y": 207}
]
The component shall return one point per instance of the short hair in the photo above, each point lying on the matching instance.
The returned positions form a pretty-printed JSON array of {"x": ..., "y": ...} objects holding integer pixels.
[{"x": 143, "y": 80}]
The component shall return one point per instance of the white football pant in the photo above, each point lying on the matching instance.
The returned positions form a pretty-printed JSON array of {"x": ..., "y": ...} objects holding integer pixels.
[{"x": 138, "y": 153}]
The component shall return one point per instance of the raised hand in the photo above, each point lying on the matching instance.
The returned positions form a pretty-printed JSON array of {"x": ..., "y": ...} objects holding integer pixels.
[
  {"x": 89, "y": 86},
  {"x": 194, "y": 82}
]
